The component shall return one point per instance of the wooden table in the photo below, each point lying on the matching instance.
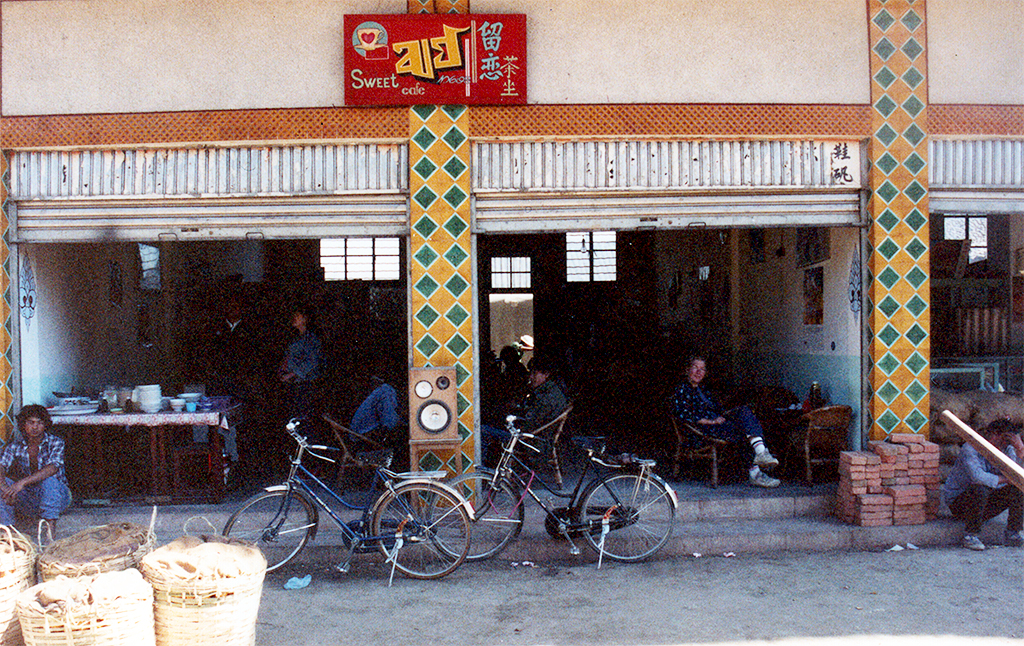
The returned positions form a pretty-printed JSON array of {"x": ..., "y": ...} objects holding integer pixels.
[{"x": 162, "y": 428}]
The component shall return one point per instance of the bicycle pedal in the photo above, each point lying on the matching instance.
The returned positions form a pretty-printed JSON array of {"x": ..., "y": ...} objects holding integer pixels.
[
  {"x": 575, "y": 551},
  {"x": 343, "y": 567}
]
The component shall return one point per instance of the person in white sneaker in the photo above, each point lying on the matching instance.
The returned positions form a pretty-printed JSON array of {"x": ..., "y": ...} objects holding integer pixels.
[
  {"x": 976, "y": 491},
  {"x": 693, "y": 405}
]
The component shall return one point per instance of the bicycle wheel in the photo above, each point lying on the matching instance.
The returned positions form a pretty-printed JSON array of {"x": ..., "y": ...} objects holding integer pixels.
[
  {"x": 639, "y": 512},
  {"x": 278, "y": 523},
  {"x": 427, "y": 529},
  {"x": 498, "y": 513}
]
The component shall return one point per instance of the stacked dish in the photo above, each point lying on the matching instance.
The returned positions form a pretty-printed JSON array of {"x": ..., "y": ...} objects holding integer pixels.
[{"x": 148, "y": 398}]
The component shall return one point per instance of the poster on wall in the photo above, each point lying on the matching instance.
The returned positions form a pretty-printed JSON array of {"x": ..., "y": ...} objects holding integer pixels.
[
  {"x": 813, "y": 296},
  {"x": 416, "y": 59}
]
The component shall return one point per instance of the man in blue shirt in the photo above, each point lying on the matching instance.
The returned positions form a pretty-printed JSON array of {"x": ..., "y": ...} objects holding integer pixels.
[
  {"x": 32, "y": 476},
  {"x": 976, "y": 491}
]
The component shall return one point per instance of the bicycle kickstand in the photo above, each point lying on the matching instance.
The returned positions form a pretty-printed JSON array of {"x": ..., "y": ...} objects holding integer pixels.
[
  {"x": 573, "y": 548},
  {"x": 345, "y": 565}
]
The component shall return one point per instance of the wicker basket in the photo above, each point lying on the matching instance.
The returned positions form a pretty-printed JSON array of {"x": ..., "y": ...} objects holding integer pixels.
[
  {"x": 109, "y": 609},
  {"x": 106, "y": 548},
  {"x": 17, "y": 572},
  {"x": 206, "y": 591}
]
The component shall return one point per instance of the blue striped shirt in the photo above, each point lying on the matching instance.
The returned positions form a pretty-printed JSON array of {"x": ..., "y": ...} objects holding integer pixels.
[{"x": 51, "y": 451}]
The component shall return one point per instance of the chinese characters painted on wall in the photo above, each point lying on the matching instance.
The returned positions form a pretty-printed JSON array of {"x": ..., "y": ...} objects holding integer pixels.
[{"x": 406, "y": 59}]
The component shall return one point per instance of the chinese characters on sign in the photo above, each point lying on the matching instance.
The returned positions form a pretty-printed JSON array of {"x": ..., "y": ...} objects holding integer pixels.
[
  {"x": 466, "y": 59},
  {"x": 844, "y": 162}
]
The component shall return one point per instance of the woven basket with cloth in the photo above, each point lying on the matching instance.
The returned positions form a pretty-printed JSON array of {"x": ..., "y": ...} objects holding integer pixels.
[
  {"x": 109, "y": 609},
  {"x": 106, "y": 548},
  {"x": 17, "y": 572},
  {"x": 206, "y": 590}
]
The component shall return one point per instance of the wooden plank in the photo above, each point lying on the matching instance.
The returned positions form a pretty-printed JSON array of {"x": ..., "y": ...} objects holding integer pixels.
[{"x": 1013, "y": 471}]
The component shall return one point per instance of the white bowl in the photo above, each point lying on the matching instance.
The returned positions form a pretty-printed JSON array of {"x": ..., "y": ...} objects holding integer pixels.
[
  {"x": 190, "y": 397},
  {"x": 177, "y": 404}
]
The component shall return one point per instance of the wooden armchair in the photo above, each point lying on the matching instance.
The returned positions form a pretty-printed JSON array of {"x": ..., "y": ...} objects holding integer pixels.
[
  {"x": 693, "y": 445},
  {"x": 821, "y": 435},
  {"x": 553, "y": 433},
  {"x": 352, "y": 443}
]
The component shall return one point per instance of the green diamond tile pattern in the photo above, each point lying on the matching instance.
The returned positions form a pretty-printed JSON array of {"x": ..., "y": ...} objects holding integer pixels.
[
  {"x": 887, "y": 191},
  {"x": 425, "y": 197},
  {"x": 916, "y": 334},
  {"x": 888, "y": 393},
  {"x": 884, "y": 20},
  {"x": 888, "y": 421},
  {"x": 456, "y": 285},
  {"x": 426, "y": 286},
  {"x": 913, "y": 134},
  {"x": 457, "y": 315},
  {"x": 916, "y": 392},
  {"x": 889, "y": 306},
  {"x": 916, "y": 248},
  {"x": 912, "y": 49},
  {"x": 888, "y": 277},
  {"x": 916, "y": 420},
  {"x": 916, "y": 306},
  {"x": 425, "y": 227},
  {"x": 915, "y": 220},
  {"x": 915, "y": 191},
  {"x": 424, "y": 138},
  {"x": 887, "y": 163},
  {"x": 911, "y": 20},
  {"x": 912, "y": 77},
  {"x": 913, "y": 106},
  {"x": 427, "y": 315},
  {"x": 455, "y": 225},
  {"x": 887, "y": 220},
  {"x": 888, "y": 335},
  {"x": 886, "y": 134},
  {"x": 427, "y": 345},
  {"x": 439, "y": 159},
  {"x": 888, "y": 364},
  {"x": 914, "y": 163},
  {"x": 916, "y": 277},
  {"x": 455, "y": 255},
  {"x": 888, "y": 248},
  {"x": 885, "y": 105},
  {"x": 884, "y": 48},
  {"x": 425, "y": 168},
  {"x": 885, "y": 77},
  {"x": 916, "y": 363},
  {"x": 430, "y": 462},
  {"x": 424, "y": 112},
  {"x": 425, "y": 256}
]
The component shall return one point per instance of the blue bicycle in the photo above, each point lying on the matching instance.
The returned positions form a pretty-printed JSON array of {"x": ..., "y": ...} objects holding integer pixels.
[{"x": 420, "y": 526}]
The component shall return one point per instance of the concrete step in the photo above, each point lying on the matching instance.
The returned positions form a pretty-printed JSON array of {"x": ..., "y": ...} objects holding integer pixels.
[{"x": 735, "y": 518}]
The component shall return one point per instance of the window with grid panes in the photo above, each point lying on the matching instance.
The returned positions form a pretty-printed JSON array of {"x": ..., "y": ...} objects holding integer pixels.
[
  {"x": 360, "y": 258},
  {"x": 510, "y": 272},
  {"x": 968, "y": 227},
  {"x": 590, "y": 256}
]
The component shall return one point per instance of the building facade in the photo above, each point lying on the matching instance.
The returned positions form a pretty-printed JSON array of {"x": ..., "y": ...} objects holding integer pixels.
[{"x": 803, "y": 152}]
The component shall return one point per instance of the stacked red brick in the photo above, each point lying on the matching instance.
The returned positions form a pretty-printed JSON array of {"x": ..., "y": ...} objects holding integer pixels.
[{"x": 895, "y": 482}]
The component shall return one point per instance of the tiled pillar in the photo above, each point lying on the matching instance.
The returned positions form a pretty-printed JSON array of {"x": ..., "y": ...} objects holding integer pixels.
[
  {"x": 441, "y": 272},
  {"x": 6, "y": 345},
  {"x": 899, "y": 289}
]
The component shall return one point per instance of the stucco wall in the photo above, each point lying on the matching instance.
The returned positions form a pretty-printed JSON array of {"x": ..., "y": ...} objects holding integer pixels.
[
  {"x": 976, "y": 51},
  {"x": 87, "y": 56}
]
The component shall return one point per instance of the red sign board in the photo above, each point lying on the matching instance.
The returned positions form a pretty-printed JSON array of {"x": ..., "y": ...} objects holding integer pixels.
[{"x": 411, "y": 59}]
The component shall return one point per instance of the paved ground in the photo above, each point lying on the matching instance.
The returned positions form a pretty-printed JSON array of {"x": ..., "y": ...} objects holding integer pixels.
[{"x": 941, "y": 595}]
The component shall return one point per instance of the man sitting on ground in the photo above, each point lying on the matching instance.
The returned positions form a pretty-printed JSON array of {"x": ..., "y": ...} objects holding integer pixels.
[
  {"x": 976, "y": 491},
  {"x": 32, "y": 479}
]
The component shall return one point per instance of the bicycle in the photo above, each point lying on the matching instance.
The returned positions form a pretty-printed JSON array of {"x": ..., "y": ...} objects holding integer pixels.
[
  {"x": 625, "y": 511},
  {"x": 420, "y": 526}
]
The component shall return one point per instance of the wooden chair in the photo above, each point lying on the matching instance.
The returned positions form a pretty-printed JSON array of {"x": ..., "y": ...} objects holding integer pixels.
[
  {"x": 693, "y": 445},
  {"x": 351, "y": 443},
  {"x": 821, "y": 435},
  {"x": 553, "y": 433}
]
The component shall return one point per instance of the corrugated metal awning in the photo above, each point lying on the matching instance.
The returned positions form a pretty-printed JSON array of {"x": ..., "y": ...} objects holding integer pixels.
[
  {"x": 538, "y": 212},
  {"x": 143, "y": 220}
]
